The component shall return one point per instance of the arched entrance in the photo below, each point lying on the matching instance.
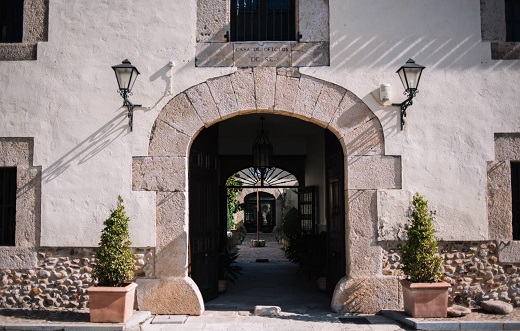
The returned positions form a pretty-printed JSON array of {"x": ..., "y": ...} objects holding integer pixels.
[
  {"x": 299, "y": 147},
  {"x": 266, "y": 90}
]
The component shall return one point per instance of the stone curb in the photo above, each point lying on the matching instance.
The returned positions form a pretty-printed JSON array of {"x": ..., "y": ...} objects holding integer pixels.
[
  {"x": 137, "y": 318},
  {"x": 421, "y": 324}
]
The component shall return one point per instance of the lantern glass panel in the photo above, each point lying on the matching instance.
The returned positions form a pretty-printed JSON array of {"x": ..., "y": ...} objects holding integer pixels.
[
  {"x": 124, "y": 76},
  {"x": 413, "y": 75}
]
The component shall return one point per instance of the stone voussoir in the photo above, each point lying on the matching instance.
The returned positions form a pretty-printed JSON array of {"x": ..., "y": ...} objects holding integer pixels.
[
  {"x": 180, "y": 114},
  {"x": 202, "y": 101},
  {"x": 309, "y": 90},
  {"x": 328, "y": 102},
  {"x": 167, "y": 141},
  {"x": 223, "y": 95}
]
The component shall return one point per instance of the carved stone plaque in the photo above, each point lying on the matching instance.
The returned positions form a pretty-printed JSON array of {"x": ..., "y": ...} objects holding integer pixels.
[{"x": 265, "y": 54}]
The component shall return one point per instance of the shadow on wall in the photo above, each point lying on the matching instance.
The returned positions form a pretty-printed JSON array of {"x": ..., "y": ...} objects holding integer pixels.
[
  {"x": 89, "y": 147},
  {"x": 372, "y": 52},
  {"x": 450, "y": 39}
]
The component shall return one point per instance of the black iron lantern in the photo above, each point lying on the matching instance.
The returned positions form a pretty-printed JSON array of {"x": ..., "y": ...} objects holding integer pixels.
[
  {"x": 262, "y": 153},
  {"x": 410, "y": 74},
  {"x": 126, "y": 74}
]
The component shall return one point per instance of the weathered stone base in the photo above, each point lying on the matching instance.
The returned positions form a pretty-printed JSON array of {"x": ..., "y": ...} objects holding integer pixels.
[
  {"x": 366, "y": 295},
  {"x": 58, "y": 277},
  {"x": 476, "y": 271},
  {"x": 169, "y": 295}
]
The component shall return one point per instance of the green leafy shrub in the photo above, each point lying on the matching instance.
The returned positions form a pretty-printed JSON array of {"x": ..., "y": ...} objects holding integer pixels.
[
  {"x": 233, "y": 205},
  {"x": 309, "y": 251},
  {"x": 291, "y": 224},
  {"x": 227, "y": 268},
  {"x": 115, "y": 262},
  {"x": 421, "y": 261}
]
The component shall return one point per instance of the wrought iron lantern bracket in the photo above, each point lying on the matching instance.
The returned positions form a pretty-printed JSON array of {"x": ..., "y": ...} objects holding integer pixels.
[
  {"x": 404, "y": 105},
  {"x": 130, "y": 106}
]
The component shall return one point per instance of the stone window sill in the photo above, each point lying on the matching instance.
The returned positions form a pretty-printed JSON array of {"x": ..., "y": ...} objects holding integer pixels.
[
  {"x": 18, "y": 51},
  {"x": 505, "y": 50}
]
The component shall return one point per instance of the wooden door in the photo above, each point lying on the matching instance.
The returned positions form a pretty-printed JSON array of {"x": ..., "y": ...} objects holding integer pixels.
[
  {"x": 204, "y": 213},
  {"x": 335, "y": 211}
]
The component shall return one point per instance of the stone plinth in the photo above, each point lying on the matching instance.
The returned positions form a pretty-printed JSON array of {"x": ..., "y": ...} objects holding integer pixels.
[{"x": 169, "y": 295}]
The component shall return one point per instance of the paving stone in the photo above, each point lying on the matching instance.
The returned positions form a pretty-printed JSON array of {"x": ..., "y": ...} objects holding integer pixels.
[
  {"x": 484, "y": 325},
  {"x": 267, "y": 310},
  {"x": 496, "y": 307},
  {"x": 436, "y": 325},
  {"x": 169, "y": 319},
  {"x": 512, "y": 325},
  {"x": 457, "y": 311}
]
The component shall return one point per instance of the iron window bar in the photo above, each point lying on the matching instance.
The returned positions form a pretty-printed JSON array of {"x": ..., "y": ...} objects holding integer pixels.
[{"x": 263, "y": 20}]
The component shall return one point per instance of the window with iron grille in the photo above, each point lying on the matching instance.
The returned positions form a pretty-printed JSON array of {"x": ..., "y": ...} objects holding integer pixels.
[
  {"x": 11, "y": 21},
  {"x": 7, "y": 206},
  {"x": 263, "y": 20},
  {"x": 512, "y": 20}
]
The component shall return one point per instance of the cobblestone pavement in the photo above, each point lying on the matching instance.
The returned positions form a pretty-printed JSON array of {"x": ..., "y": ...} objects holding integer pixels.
[{"x": 272, "y": 250}]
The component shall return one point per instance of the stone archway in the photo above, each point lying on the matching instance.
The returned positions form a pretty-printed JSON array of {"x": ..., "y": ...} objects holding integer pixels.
[{"x": 266, "y": 90}]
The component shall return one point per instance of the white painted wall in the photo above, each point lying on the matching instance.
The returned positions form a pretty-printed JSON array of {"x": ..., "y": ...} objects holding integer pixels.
[{"x": 67, "y": 101}]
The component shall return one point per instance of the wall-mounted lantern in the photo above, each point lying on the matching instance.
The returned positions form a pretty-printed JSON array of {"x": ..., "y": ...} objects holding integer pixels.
[
  {"x": 126, "y": 75},
  {"x": 410, "y": 74}
]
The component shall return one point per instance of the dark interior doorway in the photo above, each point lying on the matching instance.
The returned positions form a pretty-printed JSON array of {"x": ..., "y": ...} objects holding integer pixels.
[{"x": 266, "y": 214}]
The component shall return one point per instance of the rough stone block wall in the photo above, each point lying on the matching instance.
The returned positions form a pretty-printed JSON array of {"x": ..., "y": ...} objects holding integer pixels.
[
  {"x": 60, "y": 279},
  {"x": 472, "y": 268}
]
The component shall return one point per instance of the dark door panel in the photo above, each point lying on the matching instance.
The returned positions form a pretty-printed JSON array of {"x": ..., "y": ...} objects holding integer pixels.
[
  {"x": 336, "y": 259},
  {"x": 204, "y": 214}
]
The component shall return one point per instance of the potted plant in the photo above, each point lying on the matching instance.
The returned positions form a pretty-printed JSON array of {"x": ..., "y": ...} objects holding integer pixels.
[
  {"x": 424, "y": 294},
  {"x": 227, "y": 270},
  {"x": 112, "y": 299},
  {"x": 309, "y": 251}
]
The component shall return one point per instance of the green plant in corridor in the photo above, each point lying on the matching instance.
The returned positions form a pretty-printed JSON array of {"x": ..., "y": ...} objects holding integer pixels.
[
  {"x": 291, "y": 227},
  {"x": 233, "y": 204},
  {"x": 115, "y": 262},
  {"x": 421, "y": 261},
  {"x": 227, "y": 270}
]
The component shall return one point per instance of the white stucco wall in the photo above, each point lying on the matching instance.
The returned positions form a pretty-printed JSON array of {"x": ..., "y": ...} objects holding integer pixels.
[{"x": 68, "y": 101}]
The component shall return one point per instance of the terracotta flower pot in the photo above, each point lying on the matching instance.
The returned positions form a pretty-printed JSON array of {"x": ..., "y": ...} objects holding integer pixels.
[
  {"x": 321, "y": 282},
  {"x": 257, "y": 243},
  {"x": 222, "y": 285},
  {"x": 422, "y": 300},
  {"x": 111, "y": 304}
]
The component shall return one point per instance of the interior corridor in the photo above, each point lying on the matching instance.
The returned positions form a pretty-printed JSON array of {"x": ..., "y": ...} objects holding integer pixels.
[{"x": 274, "y": 283}]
